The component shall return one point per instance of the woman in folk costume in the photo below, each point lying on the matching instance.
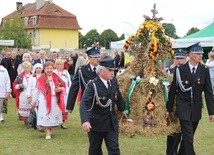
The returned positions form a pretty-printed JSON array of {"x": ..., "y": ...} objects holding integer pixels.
[
  {"x": 37, "y": 72},
  {"x": 65, "y": 76},
  {"x": 49, "y": 94},
  {"x": 20, "y": 88},
  {"x": 26, "y": 57}
]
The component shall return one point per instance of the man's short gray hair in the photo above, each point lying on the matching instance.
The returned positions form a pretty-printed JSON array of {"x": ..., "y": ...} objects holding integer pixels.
[{"x": 99, "y": 68}]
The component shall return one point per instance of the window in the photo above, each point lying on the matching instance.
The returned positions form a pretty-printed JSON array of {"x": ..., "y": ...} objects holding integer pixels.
[
  {"x": 25, "y": 21},
  {"x": 34, "y": 20}
]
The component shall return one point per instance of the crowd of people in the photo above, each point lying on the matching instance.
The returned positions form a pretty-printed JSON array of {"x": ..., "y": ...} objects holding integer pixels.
[
  {"x": 52, "y": 85},
  {"x": 49, "y": 84}
]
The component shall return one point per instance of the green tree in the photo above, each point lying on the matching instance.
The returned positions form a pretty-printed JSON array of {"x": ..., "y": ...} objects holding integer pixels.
[
  {"x": 91, "y": 37},
  {"x": 122, "y": 37},
  {"x": 170, "y": 30},
  {"x": 106, "y": 37},
  {"x": 82, "y": 40},
  {"x": 13, "y": 29},
  {"x": 192, "y": 30}
]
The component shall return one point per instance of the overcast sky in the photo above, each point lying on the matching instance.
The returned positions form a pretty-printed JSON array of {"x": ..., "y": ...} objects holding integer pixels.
[{"x": 127, "y": 15}]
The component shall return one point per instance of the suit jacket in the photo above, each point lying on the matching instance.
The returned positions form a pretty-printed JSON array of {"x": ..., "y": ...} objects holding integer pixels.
[
  {"x": 87, "y": 74},
  {"x": 101, "y": 119},
  {"x": 185, "y": 108},
  {"x": 39, "y": 61},
  {"x": 117, "y": 60}
]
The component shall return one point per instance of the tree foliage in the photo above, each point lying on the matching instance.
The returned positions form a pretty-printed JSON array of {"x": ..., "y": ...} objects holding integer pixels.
[
  {"x": 91, "y": 37},
  {"x": 192, "y": 30},
  {"x": 106, "y": 37},
  {"x": 170, "y": 30},
  {"x": 13, "y": 29}
]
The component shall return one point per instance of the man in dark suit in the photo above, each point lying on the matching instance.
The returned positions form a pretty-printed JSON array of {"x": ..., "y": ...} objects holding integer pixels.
[
  {"x": 174, "y": 139},
  {"x": 42, "y": 58},
  {"x": 82, "y": 76},
  {"x": 97, "y": 109},
  {"x": 190, "y": 80},
  {"x": 116, "y": 62}
]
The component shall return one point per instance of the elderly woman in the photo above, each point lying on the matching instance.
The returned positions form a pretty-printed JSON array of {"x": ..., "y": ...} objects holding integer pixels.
[
  {"x": 26, "y": 57},
  {"x": 20, "y": 88},
  {"x": 65, "y": 76},
  {"x": 37, "y": 72},
  {"x": 49, "y": 94}
]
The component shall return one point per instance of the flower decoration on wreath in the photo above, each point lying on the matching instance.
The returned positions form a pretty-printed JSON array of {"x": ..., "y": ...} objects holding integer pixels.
[{"x": 149, "y": 47}]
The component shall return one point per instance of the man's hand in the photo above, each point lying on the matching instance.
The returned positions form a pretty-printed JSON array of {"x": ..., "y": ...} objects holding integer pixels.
[
  {"x": 167, "y": 115},
  {"x": 86, "y": 126},
  {"x": 212, "y": 118},
  {"x": 124, "y": 114}
]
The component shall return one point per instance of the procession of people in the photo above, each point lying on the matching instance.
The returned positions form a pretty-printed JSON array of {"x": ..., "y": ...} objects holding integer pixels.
[{"x": 46, "y": 86}]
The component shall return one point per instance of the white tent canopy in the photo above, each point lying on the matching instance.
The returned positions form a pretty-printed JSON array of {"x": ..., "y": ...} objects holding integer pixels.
[
  {"x": 117, "y": 45},
  {"x": 183, "y": 43}
]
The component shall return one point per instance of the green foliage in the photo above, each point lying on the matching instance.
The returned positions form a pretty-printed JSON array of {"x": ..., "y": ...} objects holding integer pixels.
[
  {"x": 91, "y": 37},
  {"x": 81, "y": 40},
  {"x": 170, "y": 30},
  {"x": 122, "y": 37},
  {"x": 106, "y": 37},
  {"x": 192, "y": 30},
  {"x": 13, "y": 29}
]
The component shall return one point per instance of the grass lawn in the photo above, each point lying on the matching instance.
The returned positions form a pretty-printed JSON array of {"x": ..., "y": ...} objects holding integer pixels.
[{"x": 15, "y": 139}]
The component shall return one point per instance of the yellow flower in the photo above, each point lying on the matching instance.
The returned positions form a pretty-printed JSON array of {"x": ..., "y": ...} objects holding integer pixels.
[{"x": 151, "y": 70}]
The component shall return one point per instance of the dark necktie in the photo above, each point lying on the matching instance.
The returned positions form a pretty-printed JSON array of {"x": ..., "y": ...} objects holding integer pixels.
[
  {"x": 193, "y": 72},
  {"x": 94, "y": 71},
  {"x": 109, "y": 85}
]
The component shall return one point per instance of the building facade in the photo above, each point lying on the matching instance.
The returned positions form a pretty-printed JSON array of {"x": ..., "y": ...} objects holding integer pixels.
[{"x": 49, "y": 25}]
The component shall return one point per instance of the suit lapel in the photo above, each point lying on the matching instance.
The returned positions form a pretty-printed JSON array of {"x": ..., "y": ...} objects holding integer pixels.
[
  {"x": 100, "y": 84},
  {"x": 187, "y": 71},
  {"x": 89, "y": 70}
]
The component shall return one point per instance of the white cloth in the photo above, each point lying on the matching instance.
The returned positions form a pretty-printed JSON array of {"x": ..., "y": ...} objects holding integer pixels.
[
  {"x": 31, "y": 85},
  {"x": 4, "y": 82},
  {"x": 54, "y": 118},
  {"x": 65, "y": 76},
  {"x": 210, "y": 65},
  {"x": 20, "y": 69}
]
